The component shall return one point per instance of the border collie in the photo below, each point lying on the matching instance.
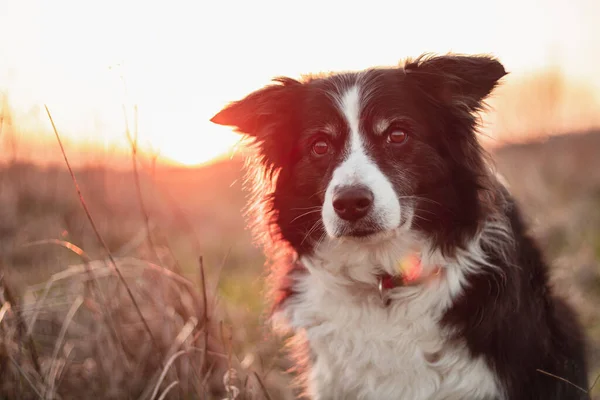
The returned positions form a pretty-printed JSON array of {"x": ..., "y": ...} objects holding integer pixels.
[{"x": 401, "y": 263}]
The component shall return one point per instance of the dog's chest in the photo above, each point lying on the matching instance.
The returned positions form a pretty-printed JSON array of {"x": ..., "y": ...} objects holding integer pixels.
[{"x": 363, "y": 350}]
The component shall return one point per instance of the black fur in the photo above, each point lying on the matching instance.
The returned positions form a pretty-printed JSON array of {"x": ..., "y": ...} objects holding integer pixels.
[
  {"x": 509, "y": 315},
  {"x": 512, "y": 318}
]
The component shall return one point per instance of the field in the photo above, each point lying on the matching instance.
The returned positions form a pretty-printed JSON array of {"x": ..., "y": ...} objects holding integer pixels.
[{"x": 69, "y": 328}]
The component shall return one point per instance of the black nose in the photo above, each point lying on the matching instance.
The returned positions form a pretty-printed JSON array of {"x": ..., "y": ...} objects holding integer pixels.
[{"x": 352, "y": 202}]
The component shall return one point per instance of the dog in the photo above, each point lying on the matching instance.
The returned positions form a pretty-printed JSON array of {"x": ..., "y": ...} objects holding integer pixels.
[{"x": 401, "y": 264}]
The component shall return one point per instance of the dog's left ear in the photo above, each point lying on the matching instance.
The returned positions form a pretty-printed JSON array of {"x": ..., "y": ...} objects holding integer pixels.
[{"x": 455, "y": 78}]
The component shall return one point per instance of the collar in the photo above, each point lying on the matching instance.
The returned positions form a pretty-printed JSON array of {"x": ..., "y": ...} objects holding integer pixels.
[{"x": 410, "y": 273}]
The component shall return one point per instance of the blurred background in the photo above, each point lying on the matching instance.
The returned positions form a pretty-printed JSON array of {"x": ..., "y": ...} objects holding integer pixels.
[{"x": 154, "y": 288}]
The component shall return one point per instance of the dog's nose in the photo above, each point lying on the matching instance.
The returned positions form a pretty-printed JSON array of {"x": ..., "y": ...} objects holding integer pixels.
[{"x": 352, "y": 202}]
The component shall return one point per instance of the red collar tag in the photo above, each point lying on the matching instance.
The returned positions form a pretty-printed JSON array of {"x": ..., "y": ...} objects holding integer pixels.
[{"x": 389, "y": 282}]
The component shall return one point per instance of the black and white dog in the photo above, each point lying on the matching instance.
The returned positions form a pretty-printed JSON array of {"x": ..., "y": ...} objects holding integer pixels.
[{"x": 406, "y": 271}]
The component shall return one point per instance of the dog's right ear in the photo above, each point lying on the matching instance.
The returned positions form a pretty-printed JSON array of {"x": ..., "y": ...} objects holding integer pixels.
[
  {"x": 254, "y": 114},
  {"x": 267, "y": 116}
]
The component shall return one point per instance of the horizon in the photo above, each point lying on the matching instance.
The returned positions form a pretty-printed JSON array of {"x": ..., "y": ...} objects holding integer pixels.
[{"x": 122, "y": 161}]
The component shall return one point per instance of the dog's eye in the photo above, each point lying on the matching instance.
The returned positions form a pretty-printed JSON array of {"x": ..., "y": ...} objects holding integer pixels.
[
  {"x": 397, "y": 135},
  {"x": 320, "y": 147}
]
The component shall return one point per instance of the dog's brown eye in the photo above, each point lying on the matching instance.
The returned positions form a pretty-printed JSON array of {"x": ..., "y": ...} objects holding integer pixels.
[
  {"x": 397, "y": 136},
  {"x": 320, "y": 147}
]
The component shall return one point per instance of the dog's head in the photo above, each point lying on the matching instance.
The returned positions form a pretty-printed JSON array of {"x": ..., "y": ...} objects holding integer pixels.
[{"x": 359, "y": 155}]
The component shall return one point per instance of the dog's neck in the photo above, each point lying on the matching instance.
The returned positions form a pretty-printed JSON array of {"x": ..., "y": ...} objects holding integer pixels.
[
  {"x": 357, "y": 266},
  {"x": 401, "y": 259},
  {"x": 409, "y": 272}
]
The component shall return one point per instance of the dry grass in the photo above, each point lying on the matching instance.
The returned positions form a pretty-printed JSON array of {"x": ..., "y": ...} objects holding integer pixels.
[{"x": 69, "y": 327}]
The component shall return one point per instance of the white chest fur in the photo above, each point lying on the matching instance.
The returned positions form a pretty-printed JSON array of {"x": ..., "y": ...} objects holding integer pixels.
[{"x": 363, "y": 350}]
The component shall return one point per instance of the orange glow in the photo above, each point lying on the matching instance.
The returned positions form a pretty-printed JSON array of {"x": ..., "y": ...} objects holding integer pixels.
[
  {"x": 410, "y": 267},
  {"x": 180, "y": 64}
]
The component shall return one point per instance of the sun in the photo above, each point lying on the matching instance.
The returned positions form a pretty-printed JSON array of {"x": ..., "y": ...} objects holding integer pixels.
[
  {"x": 211, "y": 143},
  {"x": 184, "y": 134}
]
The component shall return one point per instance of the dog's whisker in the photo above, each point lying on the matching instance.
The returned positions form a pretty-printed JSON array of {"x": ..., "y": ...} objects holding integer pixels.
[
  {"x": 305, "y": 214},
  {"x": 306, "y": 208},
  {"x": 419, "y": 198},
  {"x": 314, "y": 227},
  {"x": 421, "y": 218}
]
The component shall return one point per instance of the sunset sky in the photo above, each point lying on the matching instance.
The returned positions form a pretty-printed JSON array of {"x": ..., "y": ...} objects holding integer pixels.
[{"x": 183, "y": 60}]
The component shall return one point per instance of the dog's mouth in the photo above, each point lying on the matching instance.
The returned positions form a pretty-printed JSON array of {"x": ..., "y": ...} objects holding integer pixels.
[
  {"x": 366, "y": 229},
  {"x": 362, "y": 233}
]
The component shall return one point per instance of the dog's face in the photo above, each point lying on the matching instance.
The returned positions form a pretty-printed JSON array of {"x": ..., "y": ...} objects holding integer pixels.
[{"x": 359, "y": 155}]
